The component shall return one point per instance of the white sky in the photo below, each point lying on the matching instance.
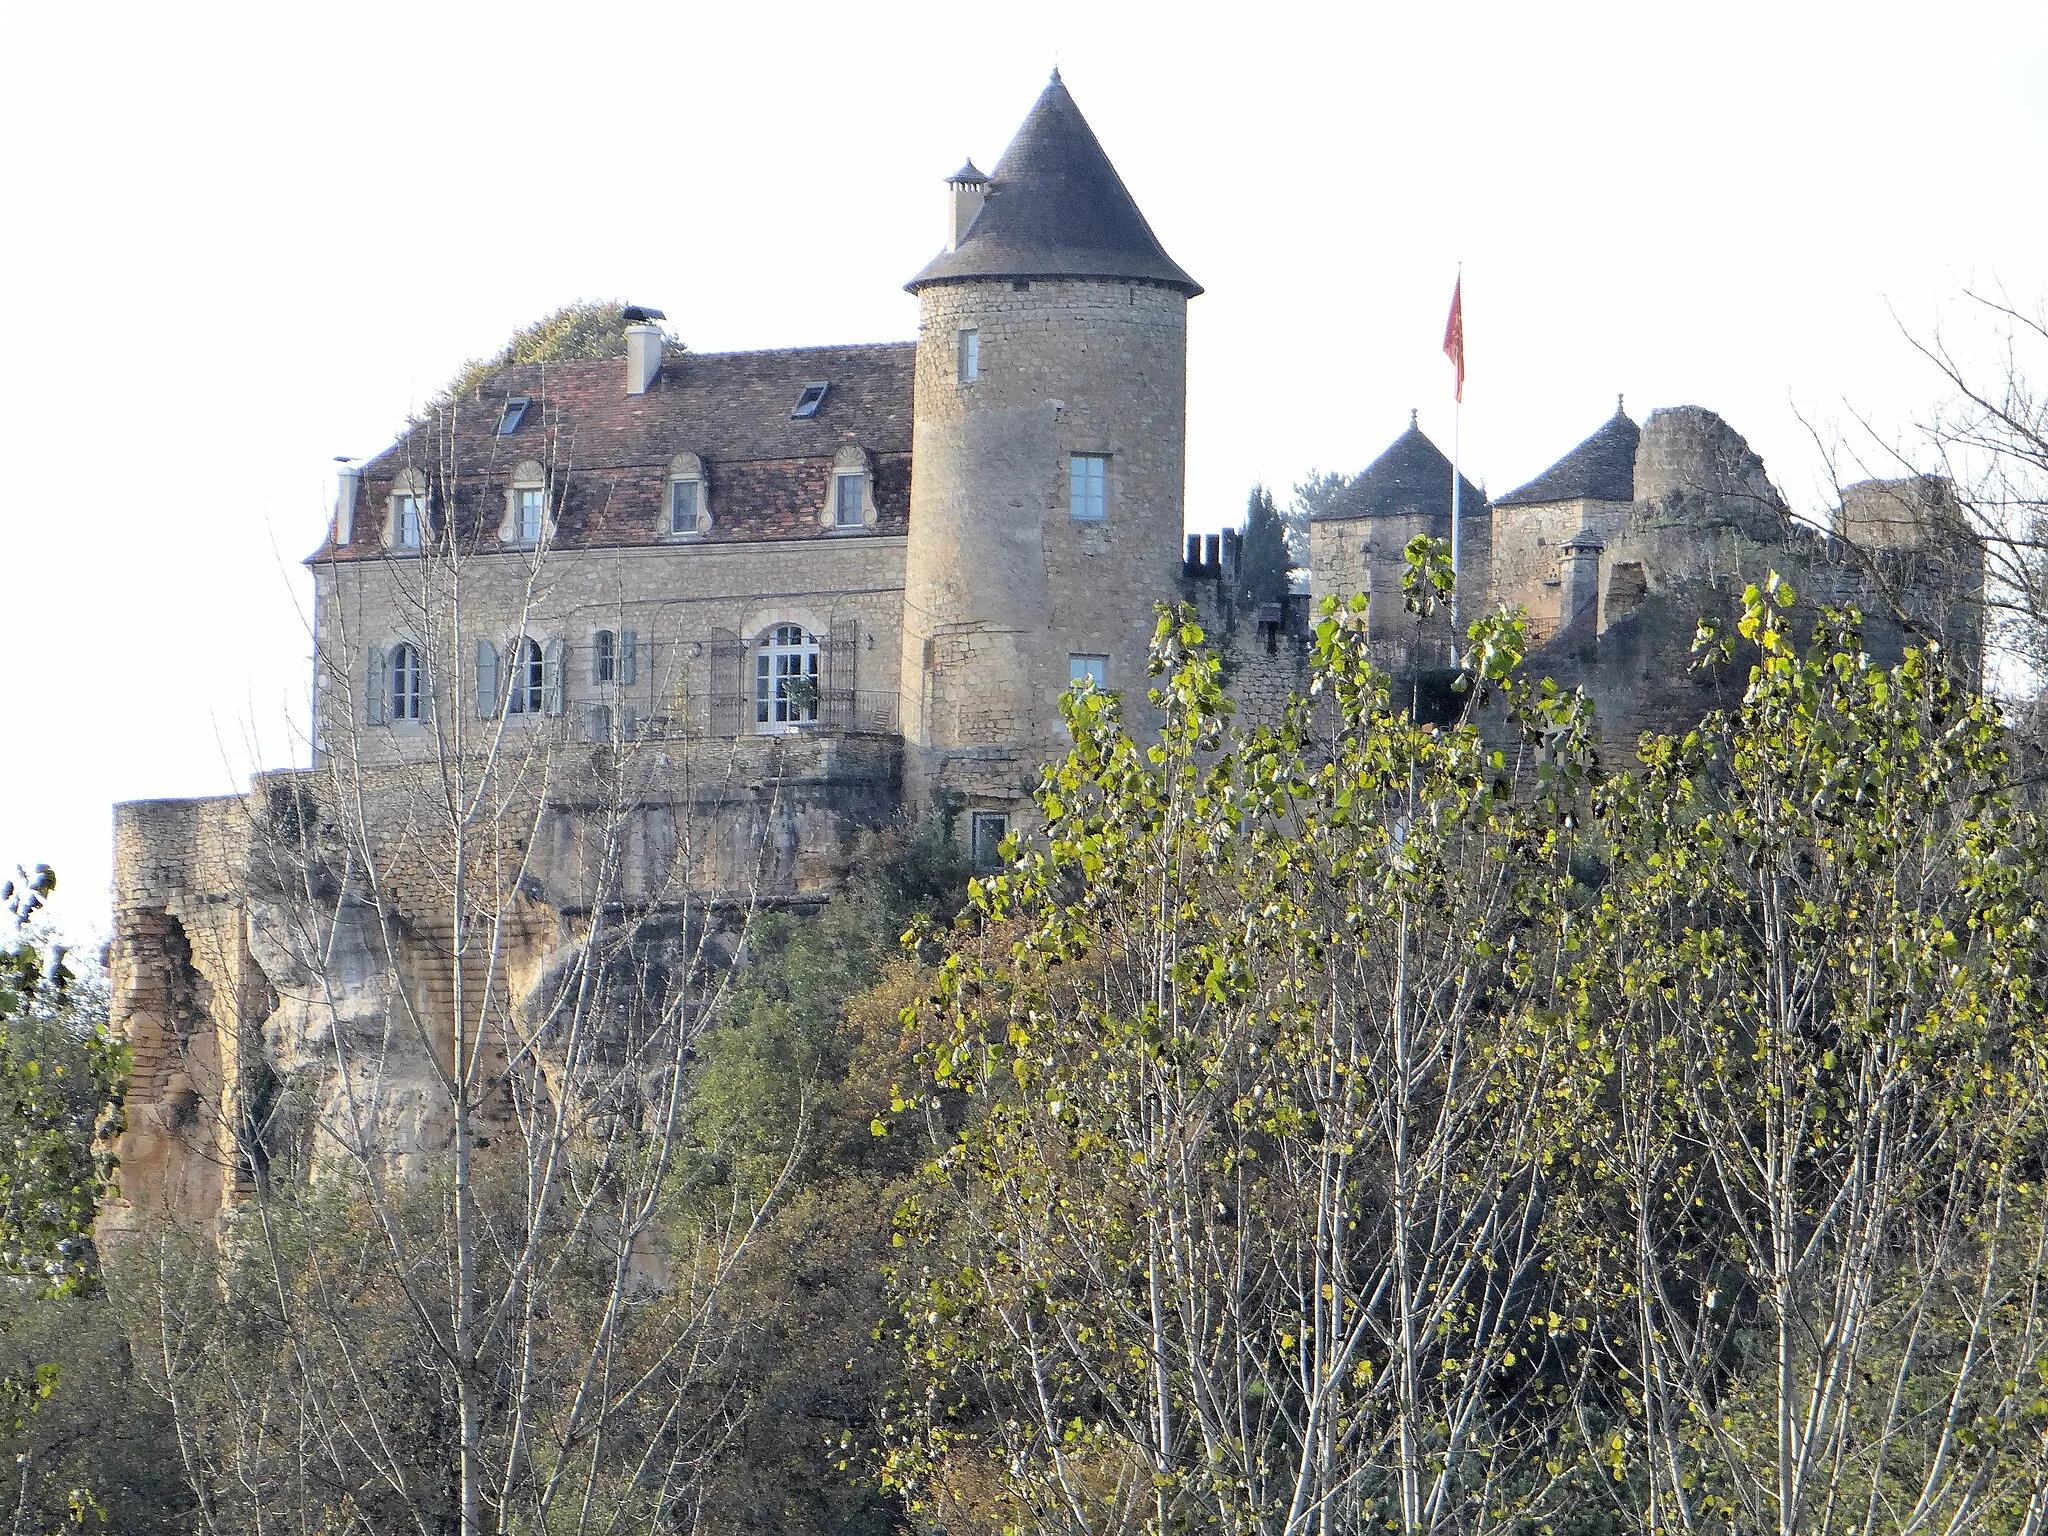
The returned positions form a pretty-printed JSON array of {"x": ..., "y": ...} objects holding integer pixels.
[{"x": 241, "y": 240}]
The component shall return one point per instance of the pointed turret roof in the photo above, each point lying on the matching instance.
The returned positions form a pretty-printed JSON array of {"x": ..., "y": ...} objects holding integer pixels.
[
  {"x": 1057, "y": 208},
  {"x": 1602, "y": 468},
  {"x": 1411, "y": 478}
]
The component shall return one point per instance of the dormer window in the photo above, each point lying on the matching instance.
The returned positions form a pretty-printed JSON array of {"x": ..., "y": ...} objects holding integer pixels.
[
  {"x": 686, "y": 508},
  {"x": 850, "y": 496},
  {"x": 405, "y": 519},
  {"x": 808, "y": 402},
  {"x": 846, "y": 500},
  {"x": 514, "y": 413},
  {"x": 531, "y": 507},
  {"x": 526, "y": 505}
]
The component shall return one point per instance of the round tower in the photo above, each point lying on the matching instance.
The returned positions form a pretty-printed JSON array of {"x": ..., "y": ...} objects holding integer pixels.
[{"x": 1048, "y": 458}]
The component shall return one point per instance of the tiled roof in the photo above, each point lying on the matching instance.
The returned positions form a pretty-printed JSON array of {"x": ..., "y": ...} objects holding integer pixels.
[
  {"x": 1602, "y": 468},
  {"x": 768, "y": 472},
  {"x": 1412, "y": 477},
  {"x": 1057, "y": 208}
]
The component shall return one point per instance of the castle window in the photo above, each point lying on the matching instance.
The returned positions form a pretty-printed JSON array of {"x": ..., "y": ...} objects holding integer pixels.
[
  {"x": 409, "y": 517},
  {"x": 514, "y": 413},
  {"x": 970, "y": 355},
  {"x": 985, "y": 845},
  {"x": 405, "y": 682},
  {"x": 785, "y": 678},
  {"x": 1088, "y": 486},
  {"x": 808, "y": 402},
  {"x": 1086, "y": 671},
  {"x": 846, "y": 500},
  {"x": 528, "y": 692},
  {"x": 614, "y": 656}
]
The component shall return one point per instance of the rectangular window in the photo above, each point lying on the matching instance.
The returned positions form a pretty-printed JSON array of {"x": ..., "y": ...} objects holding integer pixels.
[
  {"x": 514, "y": 413},
  {"x": 531, "y": 501},
  {"x": 970, "y": 356},
  {"x": 1082, "y": 670},
  {"x": 682, "y": 506},
  {"x": 989, "y": 830},
  {"x": 846, "y": 505},
  {"x": 409, "y": 520},
  {"x": 808, "y": 402},
  {"x": 1088, "y": 486}
]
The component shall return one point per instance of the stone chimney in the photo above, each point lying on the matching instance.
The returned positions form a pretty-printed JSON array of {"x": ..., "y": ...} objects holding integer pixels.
[
  {"x": 1578, "y": 606},
  {"x": 643, "y": 356},
  {"x": 966, "y": 188},
  {"x": 347, "y": 482}
]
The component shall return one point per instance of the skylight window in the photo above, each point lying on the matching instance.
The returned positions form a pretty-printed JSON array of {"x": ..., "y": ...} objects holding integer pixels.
[
  {"x": 515, "y": 412},
  {"x": 808, "y": 402}
]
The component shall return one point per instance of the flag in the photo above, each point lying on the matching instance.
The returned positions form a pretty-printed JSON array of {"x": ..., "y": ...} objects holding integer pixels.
[{"x": 1454, "y": 334}]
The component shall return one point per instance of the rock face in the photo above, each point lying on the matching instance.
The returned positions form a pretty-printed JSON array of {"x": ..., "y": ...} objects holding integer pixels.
[{"x": 290, "y": 1011}]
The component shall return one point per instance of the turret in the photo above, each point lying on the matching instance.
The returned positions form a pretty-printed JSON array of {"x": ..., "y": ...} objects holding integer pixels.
[{"x": 1048, "y": 461}]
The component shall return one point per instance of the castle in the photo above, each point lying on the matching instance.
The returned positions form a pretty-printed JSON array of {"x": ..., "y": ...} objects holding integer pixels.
[{"x": 804, "y": 593}]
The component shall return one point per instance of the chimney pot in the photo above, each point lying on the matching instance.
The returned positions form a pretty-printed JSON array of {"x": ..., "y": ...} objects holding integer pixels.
[
  {"x": 347, "y": 482},
  {"x": 965, "y": 190},
  {"x": 643, "y": 357}
]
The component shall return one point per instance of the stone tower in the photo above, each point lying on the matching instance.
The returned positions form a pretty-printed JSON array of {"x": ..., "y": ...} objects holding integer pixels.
[{"x": 1048, "y": 458}]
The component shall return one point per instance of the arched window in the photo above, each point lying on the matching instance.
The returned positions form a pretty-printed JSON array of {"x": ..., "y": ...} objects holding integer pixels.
[
  {"x": 405, "y": 682},
  {"x": 528, "y": 693},
  {"x": 785, "y": 677}
]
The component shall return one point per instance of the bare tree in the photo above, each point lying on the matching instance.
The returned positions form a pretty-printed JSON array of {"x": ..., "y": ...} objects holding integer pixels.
[{"x": 473, "y": 1281}]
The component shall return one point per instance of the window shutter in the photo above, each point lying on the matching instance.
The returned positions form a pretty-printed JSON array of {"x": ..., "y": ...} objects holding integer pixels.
[
  {"x": 551, "y": 678},
  {"x": 375, "y": 678},
  {"x": 840, "y": 648},
  {"x": 628, "y": 666},
  {"x": 731, "y": 690},
  {"x": 488, "y": 693}
]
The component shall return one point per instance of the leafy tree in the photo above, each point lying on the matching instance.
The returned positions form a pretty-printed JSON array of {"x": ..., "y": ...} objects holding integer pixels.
[
  {"x": 1262, "y": 558},
  {"x": 1241, "y": 1124},
  {"x": 579, "y": 332},
  {"x": 1809, "y": 998},
  {"x": 1312, "y": 495}
]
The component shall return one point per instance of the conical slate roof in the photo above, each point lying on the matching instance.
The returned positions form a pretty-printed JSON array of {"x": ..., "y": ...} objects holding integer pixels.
[
  {"x": 1057, "y": 208},
  {"x": 1602, "y": 468},
  {"x": 1412, "y": 477}
]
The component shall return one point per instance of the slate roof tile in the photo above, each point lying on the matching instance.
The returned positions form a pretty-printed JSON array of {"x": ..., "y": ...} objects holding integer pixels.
[
  {"x": 1056, "y": 207},
  {"x": 1602, "y": 468}
]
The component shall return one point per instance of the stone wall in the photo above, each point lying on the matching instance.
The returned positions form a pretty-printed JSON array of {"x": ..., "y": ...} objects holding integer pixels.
[{"x": 693, "y": 608}]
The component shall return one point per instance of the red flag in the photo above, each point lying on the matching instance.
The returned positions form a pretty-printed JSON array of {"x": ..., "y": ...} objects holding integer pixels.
[{"x": 1454, "y": 334}]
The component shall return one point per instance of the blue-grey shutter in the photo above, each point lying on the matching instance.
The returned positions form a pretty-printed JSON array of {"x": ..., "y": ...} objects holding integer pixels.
[
  {"x": 731, "y": 685},
  {"x": 374, "y": 680},
  {"x": 628, "y": 664},
  {"x": 551, "y": 678},
  {"x": 487, "y": 691}
]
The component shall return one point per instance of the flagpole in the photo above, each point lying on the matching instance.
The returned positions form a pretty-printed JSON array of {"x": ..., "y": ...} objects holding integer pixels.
[{"x": 1457, "y": 435}]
